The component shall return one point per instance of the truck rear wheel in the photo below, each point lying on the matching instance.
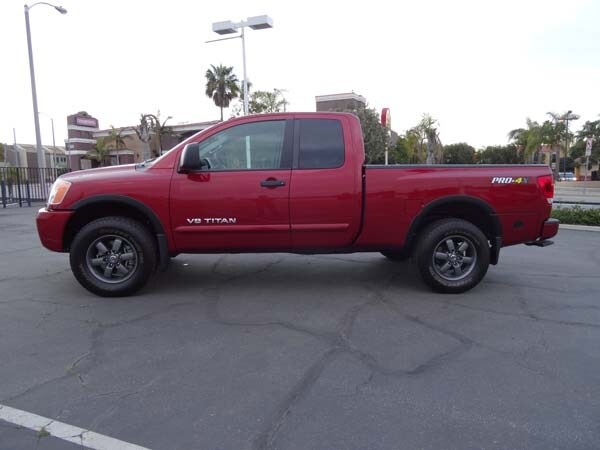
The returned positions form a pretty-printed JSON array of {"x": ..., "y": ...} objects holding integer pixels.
[
  {"x": 452, "y": 255},
  {"x": 113, "y": 256}
]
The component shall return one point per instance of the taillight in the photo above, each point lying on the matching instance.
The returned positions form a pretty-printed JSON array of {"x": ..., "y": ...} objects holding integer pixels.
[{"x": 546, "y": 184}]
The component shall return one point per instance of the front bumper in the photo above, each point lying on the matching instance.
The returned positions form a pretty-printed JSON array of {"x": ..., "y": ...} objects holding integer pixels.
[{"x": 51, "y": 228}]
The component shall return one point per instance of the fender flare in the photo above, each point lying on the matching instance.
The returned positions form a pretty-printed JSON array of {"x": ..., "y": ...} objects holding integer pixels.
[
  {"x": 146, "y": 211},
  {"x": 495, "y": 233}
]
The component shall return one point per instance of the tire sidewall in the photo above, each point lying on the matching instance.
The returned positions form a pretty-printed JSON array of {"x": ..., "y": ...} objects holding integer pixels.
[
  {"x": 431, "y": 237},
  {"x": 135, "y": 233}
]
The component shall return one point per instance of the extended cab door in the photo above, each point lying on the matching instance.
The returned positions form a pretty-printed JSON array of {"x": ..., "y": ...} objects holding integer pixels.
[
  {"x": 242, "y": 200},
  {"x": 325, "y": 195}
]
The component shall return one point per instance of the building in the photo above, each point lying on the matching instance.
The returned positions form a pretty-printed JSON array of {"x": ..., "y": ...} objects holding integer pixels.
[
  {"x": 84, "y": 132},
  {"x": 80, "y": 129},
  {"x": 25, "y": 155},
  {"x": 340, "y": 102},
  {"x": 133, "y": 147}
]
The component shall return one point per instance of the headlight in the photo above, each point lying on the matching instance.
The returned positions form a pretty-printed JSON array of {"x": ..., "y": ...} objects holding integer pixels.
[{"x": 58, "y": 192}]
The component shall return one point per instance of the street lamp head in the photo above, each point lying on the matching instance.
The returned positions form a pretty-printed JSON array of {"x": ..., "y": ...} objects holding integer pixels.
[
  {"x": 259, "y": 22},
  {"x": 227, "y": 27},
  {"x": 60, "y": 9}
]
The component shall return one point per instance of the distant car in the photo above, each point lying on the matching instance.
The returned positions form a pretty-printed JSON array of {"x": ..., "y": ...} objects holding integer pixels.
[{"x": 567, "y": 176}]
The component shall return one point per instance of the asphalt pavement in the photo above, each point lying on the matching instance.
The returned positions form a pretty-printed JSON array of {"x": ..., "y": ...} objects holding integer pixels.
[{"x": 283, "y": 351}]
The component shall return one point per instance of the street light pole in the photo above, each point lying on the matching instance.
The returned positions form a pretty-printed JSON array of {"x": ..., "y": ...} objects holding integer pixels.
[
  {"x": 52, "y": 124},
  {"x": 53, "y": 156},
  {"x": 246, "y": 109},
  {"x": 229, "y": 27},
  {"x": 38, "y": 139}
]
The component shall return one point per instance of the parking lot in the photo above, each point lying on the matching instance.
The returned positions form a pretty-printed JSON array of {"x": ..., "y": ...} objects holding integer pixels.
[{"x": 283, "y": 351}]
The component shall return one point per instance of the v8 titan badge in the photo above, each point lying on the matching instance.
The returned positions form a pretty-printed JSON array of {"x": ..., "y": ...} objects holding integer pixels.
[{"x": 509, "y": 180}]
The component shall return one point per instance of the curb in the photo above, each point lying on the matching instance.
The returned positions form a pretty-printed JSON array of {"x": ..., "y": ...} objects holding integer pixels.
[{"x": 566, "y": 226}]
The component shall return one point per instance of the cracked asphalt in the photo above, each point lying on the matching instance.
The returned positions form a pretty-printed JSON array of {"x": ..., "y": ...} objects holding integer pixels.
[{"x": 305, "y": 352}]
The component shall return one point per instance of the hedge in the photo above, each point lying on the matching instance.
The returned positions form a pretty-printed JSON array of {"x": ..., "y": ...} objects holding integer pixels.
[{"x": 577, "y": 215}]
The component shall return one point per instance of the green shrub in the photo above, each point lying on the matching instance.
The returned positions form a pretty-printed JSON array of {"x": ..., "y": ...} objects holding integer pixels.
[{"x": 577, "y": 215}]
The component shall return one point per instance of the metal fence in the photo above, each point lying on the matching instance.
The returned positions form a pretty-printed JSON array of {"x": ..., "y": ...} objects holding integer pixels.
[{"x": 23, "y": 185}]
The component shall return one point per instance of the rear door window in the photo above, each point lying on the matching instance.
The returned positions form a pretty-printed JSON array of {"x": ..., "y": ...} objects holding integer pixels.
[{"x": 321, "y": 144}]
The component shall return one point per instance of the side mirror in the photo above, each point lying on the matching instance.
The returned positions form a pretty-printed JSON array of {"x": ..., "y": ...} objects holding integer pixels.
[{"x": 190, "y": 160}]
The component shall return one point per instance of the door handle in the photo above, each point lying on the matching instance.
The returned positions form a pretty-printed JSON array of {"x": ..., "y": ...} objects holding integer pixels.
[{"x": 271, "y": 183}]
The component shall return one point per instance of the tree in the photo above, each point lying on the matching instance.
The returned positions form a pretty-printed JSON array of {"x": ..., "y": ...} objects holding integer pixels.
[
  {"x": 568, "y": 136},
  {"x": 460, "y": 153},
  {"x": 267, "y": 102},
  {"x": 527, "y": 140},
  {"x": 590, "y": 129},
  {"x": 400, "y": 153},
  {"x": 435, "y": 149},
  {"x": 160, "y": 129},
  {"x": 375, "y": 136},
  {"x": 2, "y": 154},
  {"x": 507, "y": 154},
  {"x": 422, "y": 142},
  {"x": 99, "y": 152},
  {"x": 143, "y": 130},
  {"x": 116, "y": 141},
  {"x": 552, "y": 135},
  {"x": 222, "y": 86}
]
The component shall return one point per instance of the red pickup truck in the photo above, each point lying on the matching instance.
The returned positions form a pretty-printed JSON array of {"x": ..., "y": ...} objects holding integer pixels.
[{"x": 292, "y": 182}]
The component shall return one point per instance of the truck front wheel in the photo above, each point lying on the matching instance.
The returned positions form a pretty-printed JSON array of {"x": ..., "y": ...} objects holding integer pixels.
[
  {"x": 113, "y": 256},
  {"x": 452, "y": 255}
]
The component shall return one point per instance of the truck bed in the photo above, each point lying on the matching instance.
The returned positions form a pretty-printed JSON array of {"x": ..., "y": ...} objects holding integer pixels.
[{"x": 396, "y": 194}]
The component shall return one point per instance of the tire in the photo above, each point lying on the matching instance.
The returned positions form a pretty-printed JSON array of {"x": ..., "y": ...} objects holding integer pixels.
[
  {"x": 452, "y": 255},
  {"x": 113, "y": 256},
  {"x": 396, "y": 256}
]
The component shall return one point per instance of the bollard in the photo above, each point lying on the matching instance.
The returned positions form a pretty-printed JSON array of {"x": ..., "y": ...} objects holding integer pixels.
[
  {"x": 3, "y": 186},
  {"x": 28, "y": 192},
  {"x": 19, "y": 188}
]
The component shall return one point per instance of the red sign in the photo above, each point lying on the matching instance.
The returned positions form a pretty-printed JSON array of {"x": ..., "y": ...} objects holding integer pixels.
[
  {"x": 86, "y": 122},
  {"x": 386, "y": 118}
]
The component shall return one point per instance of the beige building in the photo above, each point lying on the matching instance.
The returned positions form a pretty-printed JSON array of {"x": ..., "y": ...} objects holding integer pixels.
[{"x": 25, "y": 155}]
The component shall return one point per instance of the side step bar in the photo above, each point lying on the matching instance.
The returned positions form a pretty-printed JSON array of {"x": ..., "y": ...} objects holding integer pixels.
[{"x": 540, "y": 243}]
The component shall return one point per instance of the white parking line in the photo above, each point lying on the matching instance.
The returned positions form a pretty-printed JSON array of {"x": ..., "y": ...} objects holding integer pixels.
[{"x": 64, "y": 431}]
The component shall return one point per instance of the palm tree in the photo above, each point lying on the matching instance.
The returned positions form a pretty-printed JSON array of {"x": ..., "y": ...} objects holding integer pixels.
[
  {"x": 116, "y": 140},
  {"x": 429, "y": 138},
  {"x": 528, "y": 140},
  {"x": 268, "y": 101},
  {"x": 564, "y": 118},
  {"x": 160, "y": 129},
  {"x": 99, "y": 151},
  {"x": 143, "y": 130},
  {"x": 222, "y": 86}
]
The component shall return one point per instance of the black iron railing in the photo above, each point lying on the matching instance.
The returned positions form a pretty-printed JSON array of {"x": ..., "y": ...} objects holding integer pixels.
[{"x": 23, "y": 185}]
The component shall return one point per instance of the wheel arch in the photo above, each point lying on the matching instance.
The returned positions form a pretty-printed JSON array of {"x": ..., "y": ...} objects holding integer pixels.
[
  {"x": 98, "y": 206},
  {"x": 471, "y": 209}
]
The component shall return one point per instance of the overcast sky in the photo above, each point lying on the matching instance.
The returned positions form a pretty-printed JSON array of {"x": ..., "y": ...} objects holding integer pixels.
[{"x": 478, "y": 67}]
